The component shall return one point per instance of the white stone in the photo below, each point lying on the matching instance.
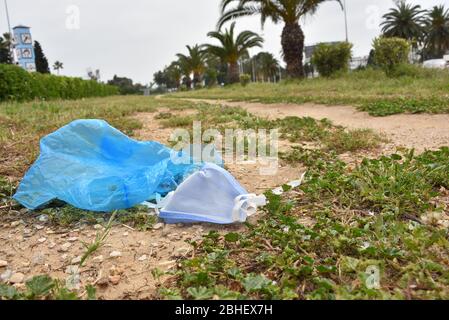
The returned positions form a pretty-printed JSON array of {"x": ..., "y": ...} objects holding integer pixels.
[
  {"x": 143, "y": 258},
  {"x": 3, "y": 263},
  {"x": 158, "y": 226},
  {"x": 6, "y": 275},
  {"x": 17, "y": 278},
  {"x": 65, "y": 247},
  {"x": 72, "y": 239},
  {"x": 115, "y": 254},
  {"x": 76, "y": 260},
  {"x": 41, "y": 240},
  {"x": 98, "y": 259},
  {"x": 43, "y": 218}
]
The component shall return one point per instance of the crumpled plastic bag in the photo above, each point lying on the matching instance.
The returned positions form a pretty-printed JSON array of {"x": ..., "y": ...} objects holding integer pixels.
[{"x": 93, "y": 166}]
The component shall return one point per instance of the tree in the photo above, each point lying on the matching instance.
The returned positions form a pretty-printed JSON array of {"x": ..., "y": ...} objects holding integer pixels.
[
  {"x": 267, "y": 65},
  {"x": 437, "y": 32},
  {"x": 126, "y": 85},
  {"x": 58, "y": 66},
  {"x": 406, "y": 21},
  {"x": 41, "y": 60},
  {"x": 287, "y": 11},
  {"x": 194, "y": 63},
  {"x": 232, "y": 48},
  {"x": 5, "y": 49},
  {"x": 174, "y": 74}
]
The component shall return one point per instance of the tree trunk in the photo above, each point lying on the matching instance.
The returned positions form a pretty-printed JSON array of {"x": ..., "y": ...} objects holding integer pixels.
[
  {"x": 233, "y": 73},
  {"x": 196, "y": 79},
  {"x": 293, "y": 48}
]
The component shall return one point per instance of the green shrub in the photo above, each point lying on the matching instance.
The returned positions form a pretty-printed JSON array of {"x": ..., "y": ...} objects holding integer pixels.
[
  {"x": 17, "y": 84},
  {"x": 390, "y": 53},
  {"x": 245, "y": 79},
  {"x": 332, "y": 58}
]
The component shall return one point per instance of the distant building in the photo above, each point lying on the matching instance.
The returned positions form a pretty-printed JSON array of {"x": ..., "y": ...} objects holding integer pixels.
[{"x": 23, "y": 48}]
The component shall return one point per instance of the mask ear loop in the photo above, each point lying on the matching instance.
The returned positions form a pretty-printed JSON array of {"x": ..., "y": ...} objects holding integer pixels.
[{"x": 246, "y": 206}]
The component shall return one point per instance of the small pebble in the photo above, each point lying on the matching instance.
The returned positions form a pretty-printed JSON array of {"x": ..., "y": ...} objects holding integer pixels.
[
  {"x": 17, "y": 278},
  {"x": 114, "y": 279},
  {"x": 143, "y": 258},
  {"x": 72, "y": 239},
  {"x": 65, "y": 247},
  {"x": 158, "y": 226},
  {"x": 6, "y": 275},
  {"x": 115, "y": 254},
  {"x": 16, "y": 223},
  {"x": 41, "y": 240},
  {"x": 98, "y": 259},
  {"x": 76, "y": 260},
  {"x": 43, "y": 218},
  {"x": 3, "y": 263}
]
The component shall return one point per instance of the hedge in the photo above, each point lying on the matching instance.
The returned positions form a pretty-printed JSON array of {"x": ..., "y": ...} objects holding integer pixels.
[{"x": 16, "y": 84}]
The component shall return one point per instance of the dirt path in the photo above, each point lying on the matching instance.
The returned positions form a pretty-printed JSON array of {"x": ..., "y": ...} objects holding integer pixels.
[{"x": 419, "y": 131}]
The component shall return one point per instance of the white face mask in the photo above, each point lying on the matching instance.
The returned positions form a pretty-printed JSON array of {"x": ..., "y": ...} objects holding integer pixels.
[{"x": 210, "y": 195}]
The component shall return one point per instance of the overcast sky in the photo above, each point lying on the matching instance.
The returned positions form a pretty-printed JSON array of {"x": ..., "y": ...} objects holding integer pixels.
[{"x": 135, "y": 38}]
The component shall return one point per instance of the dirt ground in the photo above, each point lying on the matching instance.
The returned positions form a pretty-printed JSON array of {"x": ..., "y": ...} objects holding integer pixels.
[
  {"x": 122, "y": 268},
  {"x": 419, "y": 131}
]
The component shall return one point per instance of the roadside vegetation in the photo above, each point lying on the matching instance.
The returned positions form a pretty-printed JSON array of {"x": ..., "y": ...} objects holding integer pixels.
[
  {"x": 417, "y": 90},
  {"x": 376, "y": 232}
]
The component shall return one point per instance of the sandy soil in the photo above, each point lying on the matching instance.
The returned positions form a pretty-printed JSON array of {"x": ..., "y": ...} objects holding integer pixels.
[{"x": 419, "y": 131}]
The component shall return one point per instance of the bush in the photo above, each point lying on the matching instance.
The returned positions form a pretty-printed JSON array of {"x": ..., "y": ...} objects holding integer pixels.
[
  {"x": 16, "y": 84},
  {"x": 390, "y": 53},
  {"x": 245, "y": 79},
  {"x": 332, "y": 58}
]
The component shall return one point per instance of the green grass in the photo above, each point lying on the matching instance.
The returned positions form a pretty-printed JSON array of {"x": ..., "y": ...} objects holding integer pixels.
[
  {"x": 363, "y": 227},
  {"x": 368, "y": 90},
  {"x": 294, "y": 129},
  {"x": 43, "y": 288},
  {"x": 23, "y": 124}
]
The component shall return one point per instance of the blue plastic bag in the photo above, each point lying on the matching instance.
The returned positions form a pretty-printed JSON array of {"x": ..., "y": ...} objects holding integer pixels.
[{"x": 93, "y": 166}]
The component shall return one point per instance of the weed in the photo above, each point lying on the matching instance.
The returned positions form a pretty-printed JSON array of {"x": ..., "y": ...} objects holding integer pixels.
[
  {"x": 43, "y": 288},
  {"x": 99, "y": 240},
  {"x": 359, "y": 246}
]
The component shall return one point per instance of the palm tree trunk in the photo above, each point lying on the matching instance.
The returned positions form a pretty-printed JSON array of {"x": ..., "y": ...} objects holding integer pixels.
[
  {"x": 233, "y": 72},
  {"x": 196, "y": 79},
  {"x": 293, "y": 48}
]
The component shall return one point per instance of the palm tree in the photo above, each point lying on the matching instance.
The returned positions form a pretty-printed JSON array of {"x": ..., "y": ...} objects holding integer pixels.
[
  {"x": 58, "y": 66},
  {"x": 232, "y": 48},
  {"x": 437, "y": 32},
  {"x": 287, "y": 11},
  {"x": 267, "y": 65},
  {"x": 405, "y": 21},
  {"x": 175, "y": 73},
  {"x": 194, "y": 63},
  {"x": 5, "y": 48}
]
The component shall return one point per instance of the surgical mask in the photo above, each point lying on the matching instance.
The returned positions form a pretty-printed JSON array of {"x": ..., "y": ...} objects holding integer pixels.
[{"x": 210, "y": 195}]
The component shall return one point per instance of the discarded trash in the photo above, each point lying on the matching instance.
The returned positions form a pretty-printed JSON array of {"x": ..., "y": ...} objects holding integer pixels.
[
  {"x": 93, "y": 166},
  {"x": 210, "y": 195},
  {"x": 292, "y": 184}
]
